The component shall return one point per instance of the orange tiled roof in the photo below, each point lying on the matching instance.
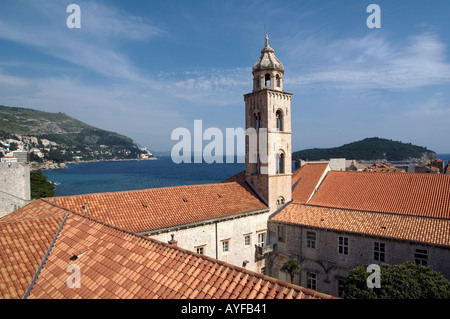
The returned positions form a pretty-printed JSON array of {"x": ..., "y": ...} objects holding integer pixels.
[
  {"x": 23, "y": 245},
  {"x": 157, "y": 208},
  {"x": 36, "y": 209},
  {"x": 115, "y": 263},
  {"x": 383, "y": 167},
  {"x": 119, "y": 264},
  {"x": 305, "y": 180},
  {"x": 414, "y": 194},
  {"x": 425, "y": 230}
]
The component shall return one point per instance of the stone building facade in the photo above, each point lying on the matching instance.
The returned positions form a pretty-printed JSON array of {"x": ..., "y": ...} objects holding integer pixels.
[
  {"x": 327, "y": 256},
  {"x": 232, "y": 240}
]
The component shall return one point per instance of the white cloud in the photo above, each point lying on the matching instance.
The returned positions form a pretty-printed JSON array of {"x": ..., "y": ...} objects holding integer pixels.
[
  {"x": 215, "y": 87},
  {"x": 106, "y": 21},
  {"x": 12, "y": 81},
  {"x": 94, "y": 46},
  {"x": 374, "y": 63}
]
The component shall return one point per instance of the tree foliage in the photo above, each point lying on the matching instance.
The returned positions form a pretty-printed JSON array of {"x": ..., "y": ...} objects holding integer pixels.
[
  {"x": 368, "y": 149},
  {"x": 291, "y": 267},
  {"x": 402, "y": 281},
  {"x": 40, "y": 187}
]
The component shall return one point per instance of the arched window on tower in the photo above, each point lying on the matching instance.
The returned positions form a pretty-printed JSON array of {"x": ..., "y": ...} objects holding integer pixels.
[
  {"x": 278, "y": 81},
  {"x": 280, "y": 201},
  {"x": 267, "y": 80},
  {"x": 279, "y": 119},
  {"x": 280, "y": 163},
  {"x": 257, "y": 121}
]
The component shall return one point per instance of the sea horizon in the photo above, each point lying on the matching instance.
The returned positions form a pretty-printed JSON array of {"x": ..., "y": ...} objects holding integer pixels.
[{"x": 122, "y": 175}]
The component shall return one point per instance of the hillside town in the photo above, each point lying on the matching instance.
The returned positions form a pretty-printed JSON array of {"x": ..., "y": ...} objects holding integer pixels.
[{"x": 42, "y": 153}]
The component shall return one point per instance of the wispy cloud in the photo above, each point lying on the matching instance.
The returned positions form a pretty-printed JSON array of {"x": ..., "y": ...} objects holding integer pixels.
[
  {"x": 94, "y": 47},
  {"x": 213, "y": 87},
  {"x": 372, "y": 62}
]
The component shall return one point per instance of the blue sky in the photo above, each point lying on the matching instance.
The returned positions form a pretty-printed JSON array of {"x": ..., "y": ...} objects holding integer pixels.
[{"x": 144, "y": 68}]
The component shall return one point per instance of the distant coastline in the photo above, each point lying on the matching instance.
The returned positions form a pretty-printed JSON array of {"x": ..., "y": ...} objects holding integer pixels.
[{"x": 51, "y": 166}]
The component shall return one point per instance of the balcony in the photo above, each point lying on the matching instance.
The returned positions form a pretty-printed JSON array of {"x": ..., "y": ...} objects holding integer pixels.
[{"x": 266, "y": 249}]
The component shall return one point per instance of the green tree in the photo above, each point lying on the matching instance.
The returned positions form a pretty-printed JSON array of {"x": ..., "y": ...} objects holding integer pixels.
[
  {"x": 13, "y": 147},
  {"x": 402, "y": 281},
  {"x": 40, "y": 187},
  {"x": 291, "y": 267}
]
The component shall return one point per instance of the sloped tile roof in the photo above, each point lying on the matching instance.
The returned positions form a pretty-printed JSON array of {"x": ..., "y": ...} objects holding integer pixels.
[
  {"x": 306, "y": 179},
  {"x": 152, "y": 209},
  {"x": 418, "y": 229},
  {"x": 23, "y": 245},
  {"x": 426, "y": 195},
  {"x": 36, "y": 209},
  {"x": 115, "y": 263}
]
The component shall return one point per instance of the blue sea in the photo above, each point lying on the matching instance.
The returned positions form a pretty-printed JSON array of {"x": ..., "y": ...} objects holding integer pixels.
[{"x": 97, "y": 177}]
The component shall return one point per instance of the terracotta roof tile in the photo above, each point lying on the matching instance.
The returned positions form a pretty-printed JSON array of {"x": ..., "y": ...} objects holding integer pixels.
[
  {"x": 418, "y": 229},
  {"x": 306, "y": 179},
  {"x": 166, "y": 207},
  {"x": 205, "y": 279},
  {"x": 23, "y": 245},
  {"x": 415, "y": 194},
  {"x": 115, "y": 263}
]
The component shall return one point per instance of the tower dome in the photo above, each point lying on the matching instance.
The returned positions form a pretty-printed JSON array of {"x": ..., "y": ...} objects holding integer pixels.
[
  {"x": 268, "y": 70},
  {"x": 268, "y": 60}
]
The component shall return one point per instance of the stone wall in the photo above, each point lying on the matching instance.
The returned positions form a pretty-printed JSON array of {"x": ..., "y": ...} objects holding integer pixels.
[
  {"x": 330, "y": 266},
  {"x": 211, "y": 236},
  {"x": 15, "y": 189}
]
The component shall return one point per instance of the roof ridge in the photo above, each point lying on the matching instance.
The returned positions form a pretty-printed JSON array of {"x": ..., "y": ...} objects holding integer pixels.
[
  {"x": 441, "y": 175},
  {"x": 44, "y": 260},
  {"x": 143, "y": 190},
  {"x": 27, "y": 219},
  {"x": 375, "y": 212}
]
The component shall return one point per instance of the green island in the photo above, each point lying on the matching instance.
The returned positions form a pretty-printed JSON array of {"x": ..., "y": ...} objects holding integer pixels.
[{"x": 374, "y": 148}]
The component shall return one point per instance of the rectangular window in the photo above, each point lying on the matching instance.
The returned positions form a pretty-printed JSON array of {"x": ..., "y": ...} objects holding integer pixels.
[
  {"x": 226, "y": 246},
  {"x": 261, "y": 239},
  {"x": 311, "y": 280},
  {"x": 379, "y": 251},
  {"x": 200, "y": 250},
  {"x": 247, "y": 241},
  {"x": 310, "y": 239},
  {"x": 421, "y": 257},
  {"x": 281, "y": 234},
  {"x": 343, "y": 245}
]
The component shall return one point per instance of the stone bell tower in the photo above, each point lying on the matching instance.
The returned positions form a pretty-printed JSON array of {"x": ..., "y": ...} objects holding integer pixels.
[{"x": 268, "y": 113}]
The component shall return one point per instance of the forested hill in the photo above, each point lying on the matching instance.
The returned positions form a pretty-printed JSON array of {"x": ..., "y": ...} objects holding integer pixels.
[
  {"x": 63, "y": 138},
  {"x": 368, "y": 149}
]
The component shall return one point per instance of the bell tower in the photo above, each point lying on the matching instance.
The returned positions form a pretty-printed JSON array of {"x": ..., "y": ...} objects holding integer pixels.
[{"x": 268, "y": 113}]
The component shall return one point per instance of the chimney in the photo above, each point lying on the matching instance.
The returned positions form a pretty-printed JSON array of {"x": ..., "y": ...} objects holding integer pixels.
[{"x": 173, "y": 242}]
